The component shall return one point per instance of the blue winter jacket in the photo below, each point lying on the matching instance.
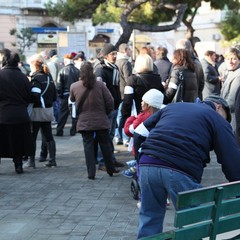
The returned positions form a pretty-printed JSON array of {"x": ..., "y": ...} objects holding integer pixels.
[{"x": 181, "y": 136}]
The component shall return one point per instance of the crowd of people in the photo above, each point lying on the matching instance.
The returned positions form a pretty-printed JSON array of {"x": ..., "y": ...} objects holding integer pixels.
[{"x": 170, "y": 113}]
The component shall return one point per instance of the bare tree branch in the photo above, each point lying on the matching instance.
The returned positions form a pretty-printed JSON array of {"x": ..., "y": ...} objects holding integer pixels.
[{"x": 129, "y": 26}]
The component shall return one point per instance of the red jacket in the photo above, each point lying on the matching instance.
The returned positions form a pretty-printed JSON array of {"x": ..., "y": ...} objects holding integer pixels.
[{"x": 132, "y": 122}]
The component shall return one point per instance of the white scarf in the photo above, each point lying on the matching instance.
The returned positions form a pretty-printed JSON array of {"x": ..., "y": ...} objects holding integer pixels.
[{"x": 115, "y": 80}]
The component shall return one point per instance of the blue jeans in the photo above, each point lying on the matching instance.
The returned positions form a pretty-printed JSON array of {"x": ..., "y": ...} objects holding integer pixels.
[
  {"x": 120, "y": 126},
  {"x": 156, "y": 184}
]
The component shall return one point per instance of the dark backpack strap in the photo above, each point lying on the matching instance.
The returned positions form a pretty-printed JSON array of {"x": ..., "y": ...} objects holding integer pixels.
[{"x": 80, "y": 105}]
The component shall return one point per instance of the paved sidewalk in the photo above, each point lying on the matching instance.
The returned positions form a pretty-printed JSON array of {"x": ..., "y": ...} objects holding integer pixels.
[{"x": 62, "y": 204}]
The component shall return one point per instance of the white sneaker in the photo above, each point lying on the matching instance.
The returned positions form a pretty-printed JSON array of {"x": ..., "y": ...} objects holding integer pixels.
[{"x": 139, "y": 204}]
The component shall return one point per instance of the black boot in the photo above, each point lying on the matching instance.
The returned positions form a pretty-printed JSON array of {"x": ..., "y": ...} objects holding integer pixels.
[
  {"x": 52, "y": 154},
  {"x": 18, "y": 165},
  {"x": 30, "y": 163},
  {"x": 44, "y": 150}
]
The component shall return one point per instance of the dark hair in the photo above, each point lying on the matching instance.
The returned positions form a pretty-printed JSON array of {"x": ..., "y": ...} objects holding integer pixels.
[
  {"x": 183, "y": 58},
  {"x": 209, "y": 53},
  {"x": 52, "y": 52},
  {"x": 10, "y": 58},
  {"x": 87, "y": 75},
  {"x": 161, "y": 52}
]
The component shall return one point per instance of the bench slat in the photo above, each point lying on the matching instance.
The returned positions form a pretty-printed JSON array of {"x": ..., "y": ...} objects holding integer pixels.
[
  {"x": 162, "y": 236},
  {"x": 192, "y": 232},
  {"x": 229, "y": 223},
  {"x": 204, "y": 212},
  {"x": 205, "y": 195}
]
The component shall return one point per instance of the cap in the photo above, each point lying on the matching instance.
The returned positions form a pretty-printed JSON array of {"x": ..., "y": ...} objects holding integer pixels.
[
  {"x": 73, "y": 54},
  {"x": 80, "y": 55},
  {"x": 107, "y": 48},
  {"x": 220, "y": 100},
  {"x": 68, "y": 56},
  {"x": 153, "y": 98},
  {"x": 52, "y": 52}
]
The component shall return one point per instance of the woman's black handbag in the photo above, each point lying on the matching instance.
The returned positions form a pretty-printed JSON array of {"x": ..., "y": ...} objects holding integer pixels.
[{"x": 180, "y": 90}]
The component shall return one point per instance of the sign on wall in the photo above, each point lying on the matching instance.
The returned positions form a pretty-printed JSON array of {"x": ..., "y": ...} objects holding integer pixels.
[{"x": 72, "y": 42}]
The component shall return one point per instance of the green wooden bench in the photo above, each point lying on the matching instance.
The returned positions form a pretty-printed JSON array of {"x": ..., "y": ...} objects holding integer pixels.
[{"x": 205, "y": 212}]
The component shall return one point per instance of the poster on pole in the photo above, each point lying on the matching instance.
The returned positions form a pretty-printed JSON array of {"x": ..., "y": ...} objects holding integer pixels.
[{"x": 72, "y": 42}]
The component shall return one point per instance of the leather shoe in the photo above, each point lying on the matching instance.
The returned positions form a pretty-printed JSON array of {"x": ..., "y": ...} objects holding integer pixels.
[
  {"x": 59, "y": 134},
  {"x": 91, "y": 177},
  {"x": 118, "y": 164},
  {"x": 102, "y": 168},
  {"x": 42, "y": 159},
  {"x": 111, "y": 172}
]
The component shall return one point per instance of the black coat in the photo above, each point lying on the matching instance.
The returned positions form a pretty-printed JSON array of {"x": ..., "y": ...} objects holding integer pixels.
[
  {"x": 106, "y": 74},
  {"x": 190, "y": 92},
  {"x": 67, "y": 75},
  {"x": 15, "y": 95},
  {"x": 40, "y": 80},
  {"x": 137, "y": 86},
  {"x": 212, "y": 85}
]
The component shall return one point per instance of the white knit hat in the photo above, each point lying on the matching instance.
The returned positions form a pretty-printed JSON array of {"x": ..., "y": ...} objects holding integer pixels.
[{"x": 153, "y": 98}]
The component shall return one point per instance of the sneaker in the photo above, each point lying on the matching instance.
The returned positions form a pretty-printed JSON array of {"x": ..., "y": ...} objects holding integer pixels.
[
  {"x": 129, "y": 172},
  {"x": 118, "y": 141},
  {"x": 131, "y": 163},
  {"x": 139, "y": 204},
  {"x": 126, "y": 143},
  {"x": 119, "y": 164}
]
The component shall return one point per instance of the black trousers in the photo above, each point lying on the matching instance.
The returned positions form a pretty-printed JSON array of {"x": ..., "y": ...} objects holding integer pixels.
[
  {"x": 63, "y": 116},
  {"x": 104, "y": 140},
  {"x": 46, "y": 130}
]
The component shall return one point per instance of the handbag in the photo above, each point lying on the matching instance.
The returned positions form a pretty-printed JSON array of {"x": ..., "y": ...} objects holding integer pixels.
[
  {"x": 178, "y": 97},
  {"x": 41, "y": 114}
]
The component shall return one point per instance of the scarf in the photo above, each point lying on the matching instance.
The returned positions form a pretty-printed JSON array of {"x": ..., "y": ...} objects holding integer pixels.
[{"x": 115, "y": 80}]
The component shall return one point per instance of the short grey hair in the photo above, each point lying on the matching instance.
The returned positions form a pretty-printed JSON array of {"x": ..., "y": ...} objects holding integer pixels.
[
  {"x": 184, "y": 44},
  {"x": 123, "y": 47}
]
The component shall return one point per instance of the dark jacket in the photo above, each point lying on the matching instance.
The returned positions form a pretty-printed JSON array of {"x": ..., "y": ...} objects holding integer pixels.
[
  {"x": 39, "y": 80},
  {"x": 96, "y": 107},
  {"x": 106, "y": 74},
  {"x": 190, "y": 92},
  {"x": 137, "y": 86},
  {"x": 199, "y": 74},
  {"x": 212, "y": 84},
  {"x": 164, "y": 67},
  {"x": 125, "y": 71},
  {"x": 15, "y": 95},
  {"x": 181, "y": 136},
  {"x": 67, "y": 75}
]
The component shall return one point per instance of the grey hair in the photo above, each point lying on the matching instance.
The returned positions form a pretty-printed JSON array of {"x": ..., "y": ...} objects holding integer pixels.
[{"x": 184, "y": 44}]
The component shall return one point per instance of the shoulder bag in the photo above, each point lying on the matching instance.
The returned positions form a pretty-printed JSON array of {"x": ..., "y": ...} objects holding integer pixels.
[{"x": 178, "y": 97}]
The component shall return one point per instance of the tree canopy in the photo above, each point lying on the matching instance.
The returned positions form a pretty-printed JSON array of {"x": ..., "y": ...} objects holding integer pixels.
[
  {"x": 230, "y": 27},
  {"x": 143, "y": 15},
  {"x": 24, "y": 39}
]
